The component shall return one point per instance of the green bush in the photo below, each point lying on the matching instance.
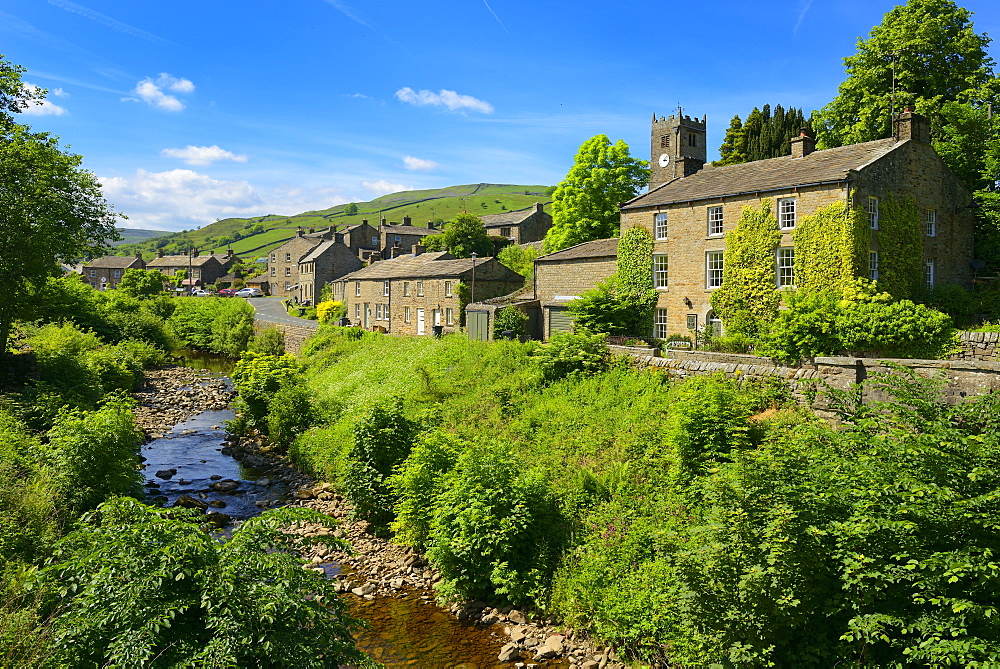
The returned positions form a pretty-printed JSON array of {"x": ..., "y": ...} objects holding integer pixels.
[
  {"x": 289, "y": 414},
  {"x": 509, "y": 319},
  {"x": 900, "y": 329},
  {"x": 418, "y": 482},
  {"x": 383, "y": 437},
  {"x": 257, "y": 379},
  {"x": 496, "y": 529},
  {"x": 569, "y": 354},
  {"x": 807, "y": 328},
  {"x": 139, "y": 586},
  {"x": 96, "y": 454},
  {"x": 268, "y": 341},
  {"x": 219, "y": 325}
]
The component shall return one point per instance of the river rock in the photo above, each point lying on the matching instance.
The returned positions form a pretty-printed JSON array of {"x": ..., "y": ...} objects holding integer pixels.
[
  {"x": 509, "y": 653},
  {"x": 215, "y": 477},
  {"x": 304, "y": 493},
  {"x": 218, "y": 519},
  {"x": 217, "y": 503},
  {"x": 227, "y": 486},
  {"x": 189, "y": 502},
  {"x": 366, "y": 589},
  {"x": 166, "y": 474},
  {"x": 517, "y": 617}
]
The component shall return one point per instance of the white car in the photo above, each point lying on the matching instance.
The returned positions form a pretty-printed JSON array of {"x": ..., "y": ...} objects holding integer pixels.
[
  {"x": 198, "y": 292},
  {"x": 249, "y": 292}
]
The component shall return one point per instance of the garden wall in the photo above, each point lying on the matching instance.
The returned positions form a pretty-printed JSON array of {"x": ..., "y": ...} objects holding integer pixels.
[{"x": 979, "y": 346}]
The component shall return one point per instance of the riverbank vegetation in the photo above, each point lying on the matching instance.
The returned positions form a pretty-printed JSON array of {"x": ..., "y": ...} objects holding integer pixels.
[{"x": 698, "y": 522}]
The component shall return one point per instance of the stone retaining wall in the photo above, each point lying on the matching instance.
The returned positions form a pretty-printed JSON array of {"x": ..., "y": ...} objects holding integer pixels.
[
  {"x": 295, "y": 335},
  {"x": 979, "y": 346},
  {"x": 963, "y": 378}
]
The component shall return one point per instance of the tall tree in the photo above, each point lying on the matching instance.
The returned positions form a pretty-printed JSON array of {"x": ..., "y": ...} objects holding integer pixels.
[
  {"x": 462, "y": 237},
  {"x": 765, "y": 134},
  {"x": 51, "y": 210},
  {"x": 585, "y": 204},
  {"x": 935, "y": 56}
]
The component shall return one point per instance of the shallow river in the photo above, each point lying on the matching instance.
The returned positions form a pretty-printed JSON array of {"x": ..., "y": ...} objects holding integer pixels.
[{"x": 407, "y": 632}]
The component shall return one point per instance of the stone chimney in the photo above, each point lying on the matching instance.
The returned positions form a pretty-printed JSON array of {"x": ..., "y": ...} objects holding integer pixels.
[
  {"x": 338, "y": 237},
  {"x": 538, "y": 206},
  {"x": 138, "y": 255},
  {"x": 299, "y": 231},
  {"x": 229, "y": 252},
  {"x": 407, "y": 220},
  {"x": 803, "y": 145},
  {"x": 911, "y": 125},
  {"x": 382, "y": 221},
  {"x": 159, "y": 253},
  {"x": 418, "y": 249},
  {"x": 431, "y": 225},
  {"x": 312, "y": 231},
  {"x": 396, "y": 251}
]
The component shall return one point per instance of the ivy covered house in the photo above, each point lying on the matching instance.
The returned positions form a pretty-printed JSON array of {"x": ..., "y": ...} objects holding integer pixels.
[{"x": 888, "y": 210}]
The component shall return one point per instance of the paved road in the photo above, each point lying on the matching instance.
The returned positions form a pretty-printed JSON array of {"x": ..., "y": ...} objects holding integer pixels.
[{"x": 271, "y": 310}]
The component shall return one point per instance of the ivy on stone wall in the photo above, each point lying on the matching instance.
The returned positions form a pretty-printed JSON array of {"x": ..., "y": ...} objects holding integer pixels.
[
  {"x": 748, "y": 298},
  {"x": 900, "y": 240},
  {"x": 464, "y": 293},
  {"x": 831, "y": 248},
  {"x": 635, "y": 275}
]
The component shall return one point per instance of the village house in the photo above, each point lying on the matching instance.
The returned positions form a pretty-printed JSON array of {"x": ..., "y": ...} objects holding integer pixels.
[
  {"x": 105, "y": 273},
  {"x": 398, "y": 238},
  {"x": 363, "y": 239},
  {"x": 691, "y": 206},
  {"x": 201, "y": 271},
  {"x": 326, "y": 261},
  {"x": 413, "y": 293},
  {"x": 521, "y": 226}
]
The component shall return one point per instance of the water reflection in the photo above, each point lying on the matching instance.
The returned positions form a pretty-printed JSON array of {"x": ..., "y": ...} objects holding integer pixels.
[{"x": 220, "y": 364}]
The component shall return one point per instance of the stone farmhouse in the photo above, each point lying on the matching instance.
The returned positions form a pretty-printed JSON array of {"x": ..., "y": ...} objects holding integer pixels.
[
  {"x": 105, "y": 273},
  {"x": 301, "y": 266},
  {"x": 410, "y": 294},
  {"x": 521, "y": 226},
  {"x": 201, "y": 270},
  {"x": 398, "y": 238},
  {"x": 690, "y": 207}
]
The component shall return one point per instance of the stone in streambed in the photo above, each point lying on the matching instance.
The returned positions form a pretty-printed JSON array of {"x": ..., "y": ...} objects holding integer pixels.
[
  {"x": 189, "y": 502},
  {"x": 166, "y": 474},
  {"x": 509, "y": 653},
  {"x": 226, "y": 486}
]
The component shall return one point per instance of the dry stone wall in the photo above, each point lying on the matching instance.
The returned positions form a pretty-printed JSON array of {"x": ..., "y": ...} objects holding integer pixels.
[{"x": 978, "y": 346}]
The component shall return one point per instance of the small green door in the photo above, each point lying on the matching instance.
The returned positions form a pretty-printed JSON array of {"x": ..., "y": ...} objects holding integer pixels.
[
  {"x": 477, "y": 324},
  {"x": 559, "y": 320}
]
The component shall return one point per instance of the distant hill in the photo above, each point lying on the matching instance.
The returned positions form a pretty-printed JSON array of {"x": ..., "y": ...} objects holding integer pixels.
[
  {"x": 134, "y": 236},
  {"x": 256, "y": 236}
]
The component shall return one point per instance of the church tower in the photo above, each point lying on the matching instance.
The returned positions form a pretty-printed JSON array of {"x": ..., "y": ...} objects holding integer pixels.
[{"x": 677, "y": 148}]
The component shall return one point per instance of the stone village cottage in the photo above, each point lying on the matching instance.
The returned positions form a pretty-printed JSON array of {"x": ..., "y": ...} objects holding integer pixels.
[
  {"x": 409, "y": 294},
  {"x": 520, "y": 226},
  {"x": 690, "y": 207},
  {"x": 105, "y": 273},
  {"x": 302, "y": 265}
]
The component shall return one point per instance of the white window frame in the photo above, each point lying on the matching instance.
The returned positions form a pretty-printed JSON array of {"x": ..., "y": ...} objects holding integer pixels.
[
  {"x": 357, "y": 289},
  {"x": 660, "y": 225},
  {"x": 274, "y": 257},
  {"x": 785, "y": 267},
  {"x": 375, "y": 241},
  {"x": 715, "y": 221},
  {"x": 447, "y": 288},
  {"x": 660, "y": 324},
  {"x": 715, "y": 262},
  {"x": 871, "y": 208},
  {"x": 930, "y": 222},
  {"x": 930, "y": 272},
  {"x": 357, "y": 310},
  {"x": 420, "y": 288},
  {"x": 787, "y": 211},
  {"x": 274, "y": 271},
  {"x": 118, "y": 274},
  {"x": 449, "y": 316},
  {"x": 288, "y": 271},
  {"x": 873, "y": 272},
  {"x": 288, "y": 285},
  {"x": 406, "y": 289},
  {"x": 378, "y": 311},
  {"x": 385, "y": 289},
  {"x": 406, "y": 314},
  {"x": 288, "y": 257},
  {"x": 93, "y": 273},
  {"x": 661, "y": 268}
]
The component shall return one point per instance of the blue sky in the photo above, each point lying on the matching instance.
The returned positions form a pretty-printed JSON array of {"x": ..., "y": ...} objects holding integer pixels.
[{"x": 193, "y": 110}]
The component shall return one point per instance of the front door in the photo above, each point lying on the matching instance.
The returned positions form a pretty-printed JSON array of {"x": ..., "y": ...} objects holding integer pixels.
[
  {"x": 368, "y": 314},
  {"x": 420, "y": 321}
]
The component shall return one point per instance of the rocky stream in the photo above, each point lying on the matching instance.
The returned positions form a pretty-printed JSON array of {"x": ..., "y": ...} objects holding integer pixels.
[{"x": 190, "y": 460}]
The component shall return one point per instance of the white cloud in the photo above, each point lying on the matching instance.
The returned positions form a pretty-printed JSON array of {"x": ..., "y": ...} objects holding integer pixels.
[
  {"x": 202, "y": 155},
  {"x": 59, "y": 93},
  {"x": 42, "y": 107},
  {"x": 183, "y": 199},
  {"x": 411, "y": 163},
  {"x": 152, "y": 92},
  {"x": 444, "y": 98},
  {"x": 382, "y": 187}
]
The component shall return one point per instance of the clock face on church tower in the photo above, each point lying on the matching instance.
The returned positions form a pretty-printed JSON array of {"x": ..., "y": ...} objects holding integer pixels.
[{"x": 664, "y": 160}]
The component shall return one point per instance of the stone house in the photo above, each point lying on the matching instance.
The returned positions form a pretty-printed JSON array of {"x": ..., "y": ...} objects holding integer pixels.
[
  {"x": 691, "y": 206},
  {"x": 363, "y": 239},
  {"x": 409, "y": 294},
  {"x": 202, "y": 270},
  {"x": 398, "y": 238},
  {"x": 521, "y": 226},
  {"x": 326, "y": 261},
  {"x": 105, "y": 273}
]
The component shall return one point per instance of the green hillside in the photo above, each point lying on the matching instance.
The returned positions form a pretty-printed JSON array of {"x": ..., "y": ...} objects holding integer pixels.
[
  {"x": 136, "y": 236},
  {"x": 256, "y": 236}
]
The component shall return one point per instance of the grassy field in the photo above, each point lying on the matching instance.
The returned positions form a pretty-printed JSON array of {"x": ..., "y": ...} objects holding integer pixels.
[{"x": 258, "y": 235}]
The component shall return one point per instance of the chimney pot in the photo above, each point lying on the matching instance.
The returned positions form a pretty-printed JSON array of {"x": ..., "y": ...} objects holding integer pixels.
[
  {"x": 803, "y": 145},
  {"x": 538, "y": 206},
  {"x": 910, "y": 125},
  {"x": 407, "y": 220}
]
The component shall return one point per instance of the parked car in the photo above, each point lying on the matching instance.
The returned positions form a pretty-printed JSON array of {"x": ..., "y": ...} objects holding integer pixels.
[
  {"x": 198, "y": 292},
  {"x": 227, "y": 292},
  {"x": 249, "y": 292}
]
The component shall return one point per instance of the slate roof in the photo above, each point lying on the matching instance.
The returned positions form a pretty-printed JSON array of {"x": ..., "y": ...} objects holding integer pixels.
[
  {"x": 599, "y": 248},
  {"x": 827, "y": 166},
  {"x": 400, "y": 229},
  {"x": 317, "y": 251},
  {"x": 425, "y": 265},
  {"x": 180, "y": 260},
  {"x": 507, "y": 217},
  {"x": 112, "y": 262}
]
